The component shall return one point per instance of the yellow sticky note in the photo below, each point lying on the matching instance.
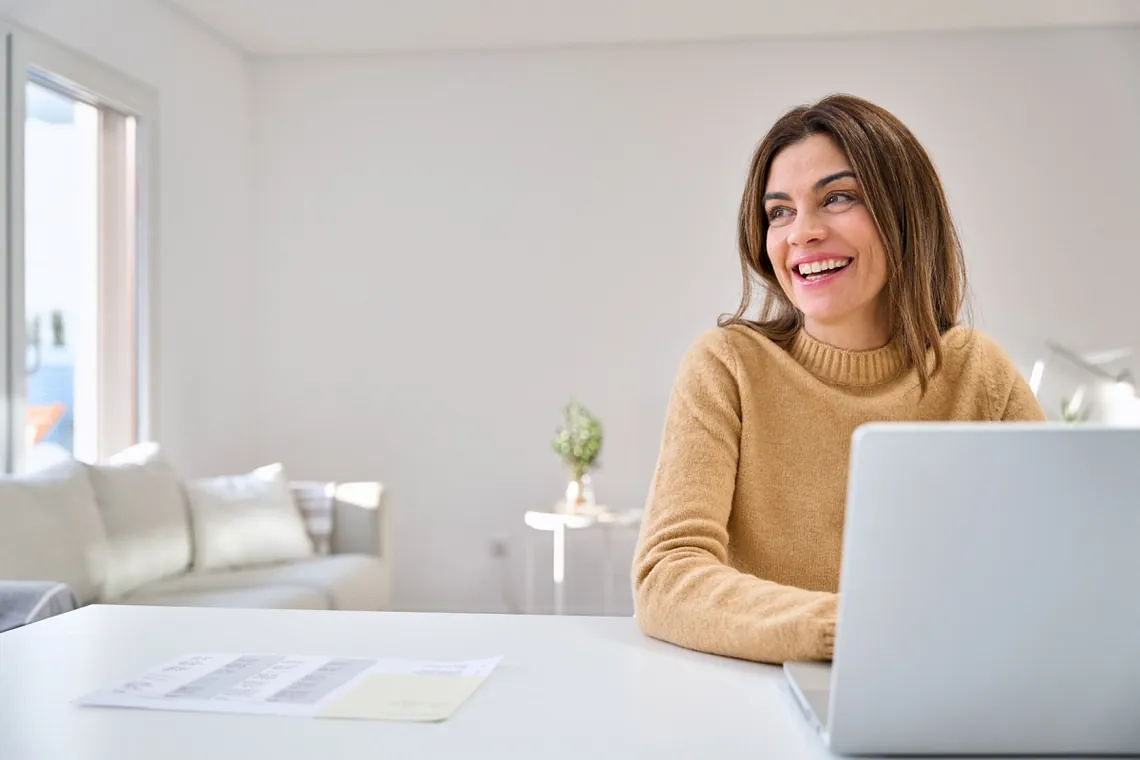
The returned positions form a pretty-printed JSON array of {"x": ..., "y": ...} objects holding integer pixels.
[{"x": 404, "y": 697}]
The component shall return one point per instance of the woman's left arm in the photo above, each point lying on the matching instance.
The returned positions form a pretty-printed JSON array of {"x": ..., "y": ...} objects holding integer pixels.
[
  {"x": 1020, "y": 404},
  {"x": 1010, "y": 397}
]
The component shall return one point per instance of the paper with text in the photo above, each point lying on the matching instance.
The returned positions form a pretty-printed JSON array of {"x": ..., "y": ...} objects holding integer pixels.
[{"x": 302, "y": 685}]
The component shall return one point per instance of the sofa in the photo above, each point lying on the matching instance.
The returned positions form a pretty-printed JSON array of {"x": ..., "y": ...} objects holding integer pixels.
[{"x": 130, "y": 530}]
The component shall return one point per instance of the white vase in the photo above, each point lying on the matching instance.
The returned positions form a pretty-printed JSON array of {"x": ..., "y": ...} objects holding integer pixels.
[{"x": 579, "y": 494}]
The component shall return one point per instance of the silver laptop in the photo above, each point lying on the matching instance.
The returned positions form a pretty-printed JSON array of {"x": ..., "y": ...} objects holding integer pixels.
[{"x": 989, "y": 594}]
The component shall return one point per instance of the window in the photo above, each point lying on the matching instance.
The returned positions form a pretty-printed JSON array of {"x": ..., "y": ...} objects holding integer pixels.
[
  {"x": 61, "y": 257},
  {"x": 77, "y": 375}
]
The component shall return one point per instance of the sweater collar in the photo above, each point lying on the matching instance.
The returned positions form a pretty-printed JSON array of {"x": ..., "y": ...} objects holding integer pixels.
[{"x": 840, "y": 366}]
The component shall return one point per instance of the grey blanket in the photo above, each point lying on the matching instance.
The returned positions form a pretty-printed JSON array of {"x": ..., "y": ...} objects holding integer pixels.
[{"x": 24, "y": 602}]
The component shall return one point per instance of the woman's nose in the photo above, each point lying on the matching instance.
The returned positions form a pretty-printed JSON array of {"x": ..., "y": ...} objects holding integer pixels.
[{"x": 806, "y": 228}]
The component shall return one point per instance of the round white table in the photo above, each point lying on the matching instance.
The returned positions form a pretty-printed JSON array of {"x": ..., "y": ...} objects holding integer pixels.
[{"x": 557, "y": 523}]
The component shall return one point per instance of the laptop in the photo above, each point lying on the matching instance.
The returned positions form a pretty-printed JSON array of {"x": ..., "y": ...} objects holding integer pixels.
[{"x": 989, "y": 594}]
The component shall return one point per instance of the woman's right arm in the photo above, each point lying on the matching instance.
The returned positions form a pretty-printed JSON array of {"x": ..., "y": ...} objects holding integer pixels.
[{"x": 684, "y": 592}]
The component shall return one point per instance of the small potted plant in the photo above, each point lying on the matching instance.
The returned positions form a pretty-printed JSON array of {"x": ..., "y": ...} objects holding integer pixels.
[{"x": 578, "y": 443}]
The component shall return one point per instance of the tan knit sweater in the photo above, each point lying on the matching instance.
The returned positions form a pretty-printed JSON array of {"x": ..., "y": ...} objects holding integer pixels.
[{"x": 740, "y": 547}]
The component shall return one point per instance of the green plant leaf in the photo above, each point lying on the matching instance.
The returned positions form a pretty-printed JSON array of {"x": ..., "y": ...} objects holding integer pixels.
[{"x": 578, "y": 442}]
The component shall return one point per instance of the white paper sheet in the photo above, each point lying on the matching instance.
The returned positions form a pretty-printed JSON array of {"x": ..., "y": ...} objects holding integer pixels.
[{"x": 301, "y": 685}]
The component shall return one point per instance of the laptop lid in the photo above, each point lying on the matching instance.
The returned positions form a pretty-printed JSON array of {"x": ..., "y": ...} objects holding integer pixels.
[{"x": 990, "y": 591}]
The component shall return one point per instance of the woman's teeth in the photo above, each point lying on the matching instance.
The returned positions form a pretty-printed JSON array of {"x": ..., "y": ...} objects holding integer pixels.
[{"x": 817, "y": 269}]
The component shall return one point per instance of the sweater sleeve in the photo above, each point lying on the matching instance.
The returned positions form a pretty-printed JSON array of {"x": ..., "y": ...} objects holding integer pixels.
[
  {"x": 1020, "y": 403},
  {"x": 1012, "y": 396},
  {"x": 685, "y": 593}
]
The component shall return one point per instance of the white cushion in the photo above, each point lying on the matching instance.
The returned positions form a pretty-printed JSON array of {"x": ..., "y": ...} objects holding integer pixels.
[
  {"x": 50, "y": 530},
  {"x": 145, "y": 517},
  {"x": 257, "y": 597},
  {"x": 351, "y": 581},
  {"x": 345, "y": 581},
  {"x": 242, "y": 520}
]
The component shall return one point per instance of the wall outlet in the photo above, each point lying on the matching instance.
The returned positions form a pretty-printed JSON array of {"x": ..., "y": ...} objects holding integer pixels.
[{"x": 498, "y": 547}]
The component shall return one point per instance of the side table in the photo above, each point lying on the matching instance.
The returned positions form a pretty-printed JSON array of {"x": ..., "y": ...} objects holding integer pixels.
[{"x": 557, "y": 523}]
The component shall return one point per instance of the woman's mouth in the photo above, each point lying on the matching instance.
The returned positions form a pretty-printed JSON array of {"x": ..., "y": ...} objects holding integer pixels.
[{"x": 823, "y": 269}]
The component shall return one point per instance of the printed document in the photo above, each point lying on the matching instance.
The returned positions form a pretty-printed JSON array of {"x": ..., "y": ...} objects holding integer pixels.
[{"x": 301, "y": 685}]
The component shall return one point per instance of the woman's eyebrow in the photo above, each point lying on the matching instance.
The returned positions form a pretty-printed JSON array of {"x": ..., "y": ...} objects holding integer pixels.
[
  {"x": 818, "y": 186},
  {"x": 832, "y": 177}
]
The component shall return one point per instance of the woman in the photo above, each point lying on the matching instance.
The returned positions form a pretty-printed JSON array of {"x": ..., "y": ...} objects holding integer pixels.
[{"x": 845, "y": 221}]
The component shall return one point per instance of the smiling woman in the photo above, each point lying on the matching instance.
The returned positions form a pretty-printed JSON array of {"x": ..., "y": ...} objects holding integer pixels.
[
  {"x": 823, "y": 248},
  {"x": 845, "y": 223},
  {"x": 846, "y": 179}
]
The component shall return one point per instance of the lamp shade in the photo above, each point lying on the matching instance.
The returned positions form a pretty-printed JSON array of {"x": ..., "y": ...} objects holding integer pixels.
[{"x": 1114, "y": 403}]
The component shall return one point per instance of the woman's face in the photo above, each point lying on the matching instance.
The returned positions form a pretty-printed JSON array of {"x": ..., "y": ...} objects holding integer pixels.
[{"x": 824, "y": 247}]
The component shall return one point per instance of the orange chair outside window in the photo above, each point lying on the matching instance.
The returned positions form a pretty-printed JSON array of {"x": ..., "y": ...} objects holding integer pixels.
[{"x": 43, "y": 417}]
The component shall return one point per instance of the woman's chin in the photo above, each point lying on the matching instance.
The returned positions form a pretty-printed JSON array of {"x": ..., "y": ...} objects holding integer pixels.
[{"x": 829, "y": 314}]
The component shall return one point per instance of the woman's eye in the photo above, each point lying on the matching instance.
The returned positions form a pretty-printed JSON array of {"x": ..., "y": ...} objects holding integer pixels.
[
  {"x": 777, "y": 214},
  {"x": 834, "y": 198}
]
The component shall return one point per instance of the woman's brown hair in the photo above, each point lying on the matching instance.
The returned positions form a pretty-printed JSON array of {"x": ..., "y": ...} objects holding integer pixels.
[{"x": 926, "y": 273}]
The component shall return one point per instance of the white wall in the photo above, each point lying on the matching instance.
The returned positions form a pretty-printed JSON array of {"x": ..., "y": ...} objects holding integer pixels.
[
  {"x": 206, "y": 263},
  {"x": 452, "y": 244}
]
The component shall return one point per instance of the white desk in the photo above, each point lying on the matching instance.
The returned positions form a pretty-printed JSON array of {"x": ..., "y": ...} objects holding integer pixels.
[{"x": 568, "y": 687}]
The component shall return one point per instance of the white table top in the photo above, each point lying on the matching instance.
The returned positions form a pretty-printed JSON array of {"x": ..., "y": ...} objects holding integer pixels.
[
  {"x": 576, "y": 520},
  {"x": 568, "y": 687}
]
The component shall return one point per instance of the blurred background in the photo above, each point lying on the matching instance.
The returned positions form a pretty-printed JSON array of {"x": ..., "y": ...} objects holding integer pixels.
[{"x": 391, "y": 240}]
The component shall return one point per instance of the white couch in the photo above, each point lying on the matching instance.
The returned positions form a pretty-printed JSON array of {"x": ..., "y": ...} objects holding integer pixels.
[{"x": 131, "y": 531}]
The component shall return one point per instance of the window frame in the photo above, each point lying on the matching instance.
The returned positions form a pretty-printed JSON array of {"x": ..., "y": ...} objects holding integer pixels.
[{"x": 32, "y": 57}]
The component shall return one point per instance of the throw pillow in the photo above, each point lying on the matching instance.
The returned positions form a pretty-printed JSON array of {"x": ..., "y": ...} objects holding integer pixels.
[
  {"x": 144, "y": 513},
  {"x": 52, "y": 531},
  {"x": 242, "y": 520}
]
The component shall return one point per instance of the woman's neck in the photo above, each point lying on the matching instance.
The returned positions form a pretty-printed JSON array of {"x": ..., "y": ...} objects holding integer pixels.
[
  {"x": 866, "y": 328},
  {"x": 865, "y": 336}
]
